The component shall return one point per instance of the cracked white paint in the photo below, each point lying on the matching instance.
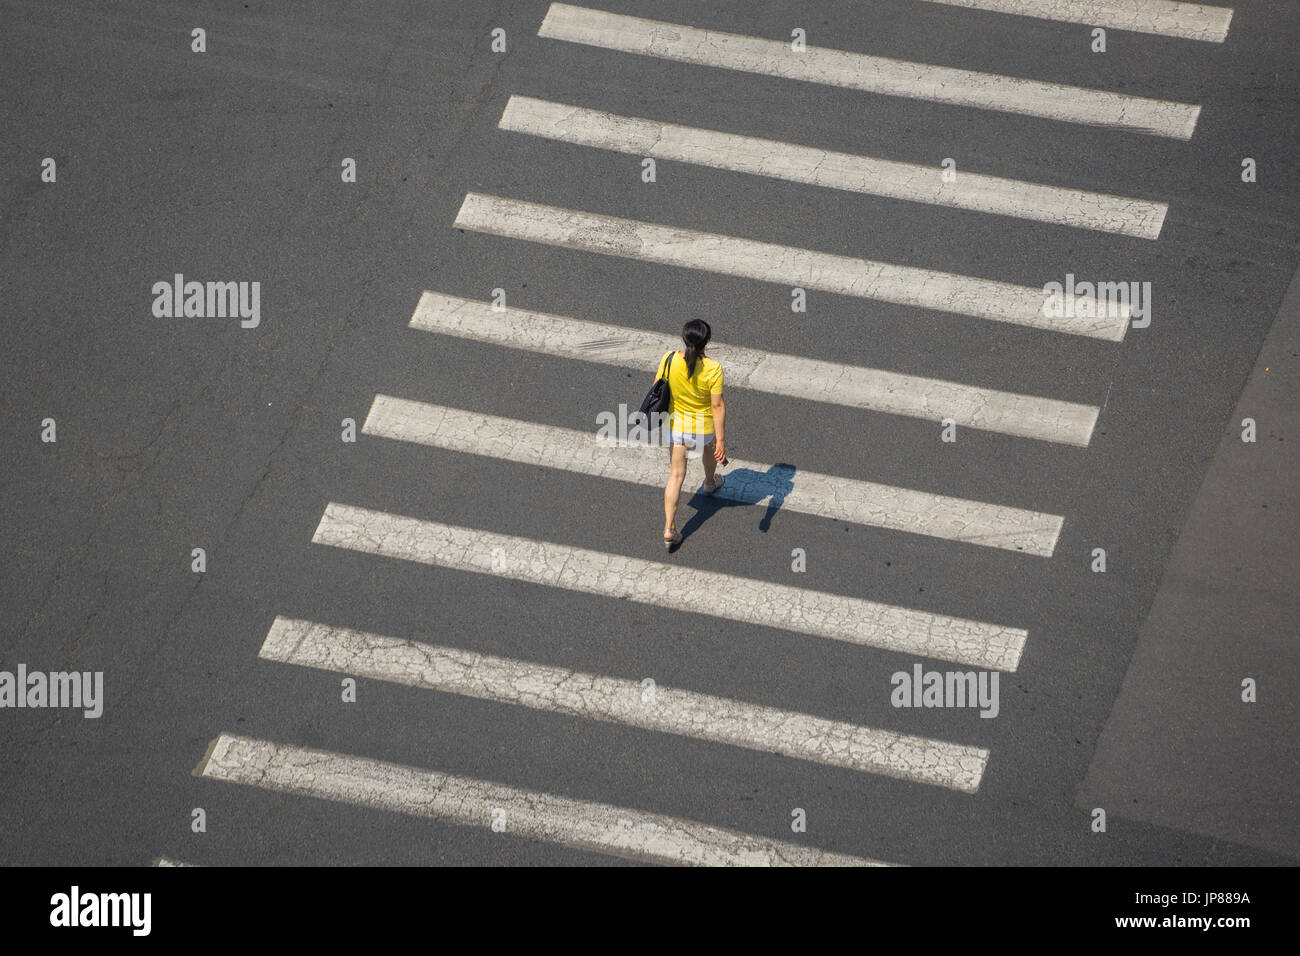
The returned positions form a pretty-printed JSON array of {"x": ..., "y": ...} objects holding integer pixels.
[
  {"x": 758, "y": 603},
  {"x": 790, "y": 266},
  {"x": 1186, "y": 21},
  {"x": 530, "y": 814},
  {"x": 841, "y": 499},
  {"x": 931, "y": 399},
  {"x": 872, "y": 74},
  {"x": 820, "y": 167},
  {"x": 620, "y": 701}
]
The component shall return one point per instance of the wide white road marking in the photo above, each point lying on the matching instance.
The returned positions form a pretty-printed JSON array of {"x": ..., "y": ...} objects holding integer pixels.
[
  {"x": 841, "y": 499},
  {"x": 1187, "y": 21},
  {"x": 820, "y": 167},
  {"x": 598, "y": 827},
  {"x": 619, "y": 701},
  {"x": 790, "y": 266},
  {"x": 872, "y": 74},
  {"x": 931, "y": 399},
  {"x": 759, "y": 603}
]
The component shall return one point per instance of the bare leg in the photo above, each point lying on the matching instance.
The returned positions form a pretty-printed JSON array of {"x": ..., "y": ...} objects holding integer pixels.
[
  {"x": 710, "y": 466},
  {"x": 673, "y": 490}
]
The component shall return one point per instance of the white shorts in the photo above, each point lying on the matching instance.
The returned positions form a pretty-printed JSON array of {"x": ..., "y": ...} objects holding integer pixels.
[{"x": 691, "y": 440}]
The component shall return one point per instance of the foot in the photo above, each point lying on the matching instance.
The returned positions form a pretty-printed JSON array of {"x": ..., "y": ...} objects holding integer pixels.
[
  {"x": 711, "y": 487},
  {"x": 671, "y": 537}
]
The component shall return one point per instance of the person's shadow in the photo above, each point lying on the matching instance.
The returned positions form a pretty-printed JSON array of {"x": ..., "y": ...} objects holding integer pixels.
[{"x": 744, "y": 486}]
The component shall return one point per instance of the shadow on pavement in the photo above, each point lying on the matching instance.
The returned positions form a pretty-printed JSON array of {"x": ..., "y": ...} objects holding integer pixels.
[{"x": 744, "y": 486}]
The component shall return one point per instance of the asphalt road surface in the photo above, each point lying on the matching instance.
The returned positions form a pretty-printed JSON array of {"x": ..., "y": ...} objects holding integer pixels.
[{"x": 396, "y": 645}]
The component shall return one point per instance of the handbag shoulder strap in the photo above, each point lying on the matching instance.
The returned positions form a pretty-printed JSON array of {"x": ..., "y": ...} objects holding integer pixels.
[{"x": 666, "y": 363}]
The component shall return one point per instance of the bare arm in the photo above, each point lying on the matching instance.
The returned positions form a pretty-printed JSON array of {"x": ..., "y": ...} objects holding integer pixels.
[{"x": 719, "y": 424}]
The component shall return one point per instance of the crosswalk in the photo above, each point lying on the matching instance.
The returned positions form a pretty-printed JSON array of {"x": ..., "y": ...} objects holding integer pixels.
[
  {"x": 620, "y": 700},
  {"x": 760, "y": 603},
  {"x": 869, "y": 74},
  {"x": 979, "y": 528},
  {"x": 1171, "y": 18},
  {"x": 792, "y": 267},
  {"x": 792, "y": 376},
  {"x": 840, "y": 499},
  {"x": 616, "y": 831},
  {"x": 820, "y": 167}
]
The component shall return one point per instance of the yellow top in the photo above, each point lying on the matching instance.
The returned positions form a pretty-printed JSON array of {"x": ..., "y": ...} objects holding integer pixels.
[{"x": 692, "y": 408}]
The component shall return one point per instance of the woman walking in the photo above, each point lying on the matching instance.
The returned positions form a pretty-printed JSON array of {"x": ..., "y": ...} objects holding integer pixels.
[{"x": 698, "y": 415}]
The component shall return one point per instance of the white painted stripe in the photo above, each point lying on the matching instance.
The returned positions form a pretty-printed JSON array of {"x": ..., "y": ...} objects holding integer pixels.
[
  {"x": 930, "y": 399},
  {"x": 464, "y": 801},
  {"x": 841, "y": 499},
  {"x": 620, "y": 701},
  {"x": 1187, "y": 21},
  {"x": 167, "y": 861},
  {"x": 786, "y": 265},
  {"x": 760, "y": 603},
  {"x": 820, "y": 167},
  {"x": 872, "y": 74}
]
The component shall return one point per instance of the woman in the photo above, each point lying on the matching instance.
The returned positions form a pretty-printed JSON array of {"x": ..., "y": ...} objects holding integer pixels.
[{"x": 698, "y": 414}]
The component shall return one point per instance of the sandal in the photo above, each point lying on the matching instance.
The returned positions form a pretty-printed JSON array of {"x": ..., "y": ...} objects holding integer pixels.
[
  {"x": 670, "y": 540},
  {"x": 718, "y": 482}
]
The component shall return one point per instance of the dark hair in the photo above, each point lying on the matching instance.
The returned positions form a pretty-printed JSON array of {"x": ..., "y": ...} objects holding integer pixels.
[{"x": 696, "y": 334}]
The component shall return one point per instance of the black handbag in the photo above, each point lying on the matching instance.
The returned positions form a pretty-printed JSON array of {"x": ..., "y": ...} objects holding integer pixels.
[{"x": 659, "y": 399}]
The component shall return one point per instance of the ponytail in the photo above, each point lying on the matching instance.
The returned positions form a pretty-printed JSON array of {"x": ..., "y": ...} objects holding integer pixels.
[{"x": 695, "y": 334}]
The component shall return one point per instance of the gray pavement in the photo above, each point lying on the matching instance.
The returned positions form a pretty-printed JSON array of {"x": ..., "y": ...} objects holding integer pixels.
[
  {"x": 1216, "y": 753},
  {"x": 183, "y": 433}
]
